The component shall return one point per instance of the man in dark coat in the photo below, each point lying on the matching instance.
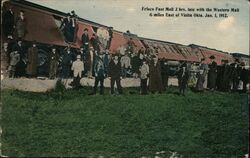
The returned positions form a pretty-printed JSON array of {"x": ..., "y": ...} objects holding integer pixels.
[
  {"x": 115, "y": 74},
  {"x": 220, "y": 73},
  {"x": 8, "y": 23},
  {"x": 99, "y": 74},
  {"x": 66, "y": 28},
  {"x": 21, "y": 65},
  {"x": 212, "y": 74},
  {"x": 53, "y": 59},
  {"x": 66, "y": 63},
  {"x": 164, "y": 73},
  {"x": 85, "y": 40},
  {"x": 106, "y": 61},
  {"x": 95, "y": 43},
  {"x": 226, "y": 77},
  {"x": 235, "y": 75},
  {"x": 182, "y": 76},
  {"x": 135, "y": 64},
  {"x": 155, "y": 80},
  {"x": 32, "y": 61},
  {"x": 21, "y": 25}
]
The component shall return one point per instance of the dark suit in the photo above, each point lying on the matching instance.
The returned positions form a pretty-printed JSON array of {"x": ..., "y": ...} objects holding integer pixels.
[
  {"x": 85, "y": 42},
  {"x": 115, "y": 72},
  {"x": 8, "y": 23},
  {"x": 212, "y": 75}
]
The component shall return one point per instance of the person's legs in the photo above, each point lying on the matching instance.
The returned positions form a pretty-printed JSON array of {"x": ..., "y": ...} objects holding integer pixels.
[
  {"x": 144, "y": 86},
  {"x": 119, "y": 87},
  {"x": 96, "y": 84},
  {"x": 101, "y": 86},
  {"x": 112, "y": 82}
]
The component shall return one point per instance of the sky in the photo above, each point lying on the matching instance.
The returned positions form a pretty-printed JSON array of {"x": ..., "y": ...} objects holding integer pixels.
[{"x": 229, "y": 34}]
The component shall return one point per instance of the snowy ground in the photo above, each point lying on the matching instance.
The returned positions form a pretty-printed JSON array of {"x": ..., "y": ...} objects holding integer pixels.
[{"x": 43, "y": 85}]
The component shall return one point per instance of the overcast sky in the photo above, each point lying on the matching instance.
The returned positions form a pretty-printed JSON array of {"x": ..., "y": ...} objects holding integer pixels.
[{"x": 227, "y": 34}]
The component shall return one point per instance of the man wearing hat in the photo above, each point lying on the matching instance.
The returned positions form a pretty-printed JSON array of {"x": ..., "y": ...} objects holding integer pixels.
[
  {"x": 14, "y": 59},
  {"x": 183, "y": 76},
  {"x": 53, "y": 63},
  {"x": 66, "y": 63},
  {"x": 66, "y": 27},
  {"x": 77, "y": 68},
  {"x": 32, "y": 62},
  {"x": 99, "y": 74},
  {"x": 235, "y": 74},
  {"x": 220, "y": 73},
  {"x": 226, "y": 77},
  {"x": 85, "y": 40},
  {"x": 212, "y": 74},
  {"x": 115, "y": 74},
  {"x": 21, "y": 65}
]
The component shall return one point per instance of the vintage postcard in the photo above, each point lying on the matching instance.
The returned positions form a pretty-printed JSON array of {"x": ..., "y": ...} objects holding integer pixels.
[{"x": 123, "y": 78}]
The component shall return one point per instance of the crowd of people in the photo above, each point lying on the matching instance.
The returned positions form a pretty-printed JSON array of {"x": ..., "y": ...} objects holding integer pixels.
[{"x": 93, "y": 60}]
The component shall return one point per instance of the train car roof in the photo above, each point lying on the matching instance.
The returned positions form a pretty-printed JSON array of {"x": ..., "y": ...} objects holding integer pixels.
[{"x": 57, "y": 12}]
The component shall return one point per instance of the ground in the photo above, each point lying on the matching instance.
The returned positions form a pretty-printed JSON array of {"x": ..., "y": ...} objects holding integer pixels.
[{"x": 72, "y": 123}]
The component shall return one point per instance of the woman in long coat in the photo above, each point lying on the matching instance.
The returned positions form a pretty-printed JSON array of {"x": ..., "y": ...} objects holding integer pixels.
[
  {"x": 21, "y": 25},
  {"x": 155, "y": 80},
  {"x": 32, "y": 61},
  {"x": 200, "y": 79}
]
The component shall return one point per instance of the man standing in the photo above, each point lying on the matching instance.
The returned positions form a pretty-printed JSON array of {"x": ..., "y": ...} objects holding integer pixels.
[
  {"x": 8, "y": 23},
  {"x": 66, "y": 28},
  {"x": 244, "y": 77},
  {"x": 110, "y": 30},
  {"x": 53, "y": 63},
  {"x": 21, "y": 25},
  {"x": 95, "y": 43},
  {"x": 66, "y": 63},
  {"x": 99, "y": 74},
  {"x": 115, "y": 74},
  {"x": 21, "y": 65},
  {"x": 144, "y": 71},
  {"x": 212, "y": 74},
  {"x": 85, "y": 40},
  {"x": 236, "y": 70},
  {"x": 14, "y": 59},
  {"x": 77, "y": 68},
  {"x": 4, "y": 59},
  {"x": 106, "y": 60},
  {"x": 155, "y": 80},
  {"x": 135, "y": 63},
  {"x": 32, "y": 61},
  {"x": 126, "y": 65},
  {"x": 164, "y": 73},
  {"x": 183, "y": 78},
  {"x": 226, "y": 78}
]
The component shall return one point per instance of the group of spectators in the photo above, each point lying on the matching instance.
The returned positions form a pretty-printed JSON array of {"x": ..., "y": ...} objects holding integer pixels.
[
  {"x": 227, "y": 77},
  {"x": 94, "y": 60}
]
